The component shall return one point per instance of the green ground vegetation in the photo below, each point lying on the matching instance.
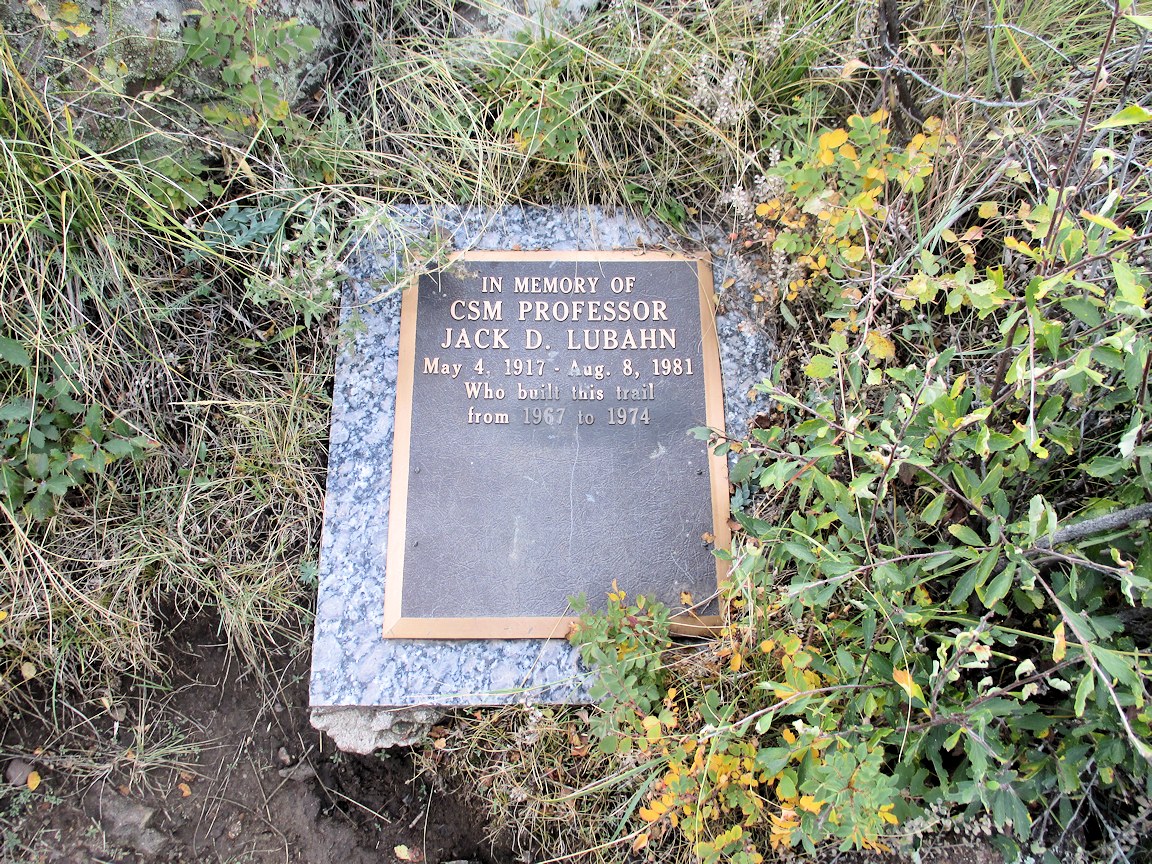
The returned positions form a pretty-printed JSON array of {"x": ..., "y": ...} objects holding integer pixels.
[{"x": 936, "y": 602}]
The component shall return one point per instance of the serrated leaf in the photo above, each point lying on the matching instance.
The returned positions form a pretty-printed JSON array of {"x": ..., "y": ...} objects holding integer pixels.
[
  {"x": 14, "y": 353},
  {"x": 1130, "y": 116},
  {"x": 820, "y": 366},
  {"x": 17, "y": 410},
  {"x": 879, "y": 345}
]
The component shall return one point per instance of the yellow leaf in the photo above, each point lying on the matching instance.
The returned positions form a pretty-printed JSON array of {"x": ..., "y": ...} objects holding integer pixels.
[
  {"x": 885, "y": 813},
  {"x": 1017, "y": 245},
  {"x": 651, "y": 814},
  {"x": 949, "y": 235},
  {"x": 33, "y": 780},
  {"x": 879, "y": 345},
  {"x": 847, "y": 151},
  {"x": 685, "y": 598},
  {"x": 640, "y": 842},
  {"x": 788, "y": 735},
  {"x": 28, "y": 670},
  {"x": 767, "y": 646},
  {"x": 3, "y": 614},
  {"x": 736, "y": 662},
  {"x": 763, "y": 209},
  {"x": 185, "y": 789},
  {"x": 988, "y": 209},
  {"x": 904, "y": 678},
  {"x": 832, "y": 140},
  {"x": 1061, "y": 646},
  {"x": 854, "y": 254},
  {"x": 69, "y": 12},
  {"x": 809, "y": 803},
  {"x": 402, "y": 852},
  {"x": 651, "y": 728},
  {"x": 852, "y": 66},
  {"x": 783, "y": 692}
]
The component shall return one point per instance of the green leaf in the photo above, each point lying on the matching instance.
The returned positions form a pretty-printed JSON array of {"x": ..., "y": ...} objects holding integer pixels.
[
  {"x": 966, "y": 535},
  {"x": 1130, "y": 116},
  {"x": 998, "y": 588},
  {"x": 1087, "y": 683},
  {"x": 935, "y": 509},
  {"x": 58, "y": 484},
  {"x": 740, "y": 472},
  {"x": 20, "y": 409},
  {"x": 820, "y": 366},
  {"x": 41, "y": 505},
  {"x": 14, "y": 353},
  {"x": 1114, "y": 664},
  {"x": 964, "y": 586},
  {"x": 1144, "y": 21},
  {"x": 1104, "y": 466},
  {"x": 1127, "y": 288}
]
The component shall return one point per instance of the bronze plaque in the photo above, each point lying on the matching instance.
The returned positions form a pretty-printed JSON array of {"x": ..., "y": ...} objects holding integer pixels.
[{"x": 542, "y": 445}]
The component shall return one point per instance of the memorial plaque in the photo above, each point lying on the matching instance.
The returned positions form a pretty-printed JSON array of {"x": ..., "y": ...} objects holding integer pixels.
[{"x": 542, "y": 445}]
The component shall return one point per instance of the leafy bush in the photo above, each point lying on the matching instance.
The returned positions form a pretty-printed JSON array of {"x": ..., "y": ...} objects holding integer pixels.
[
  {"x": 49, "y": 441},
  {"x": 937, "y": 601}
]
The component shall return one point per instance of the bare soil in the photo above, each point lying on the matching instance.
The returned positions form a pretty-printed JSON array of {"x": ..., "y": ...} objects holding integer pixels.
[
  {"x": 235, "y": 773},
  {"x": 224, "y": 768}
]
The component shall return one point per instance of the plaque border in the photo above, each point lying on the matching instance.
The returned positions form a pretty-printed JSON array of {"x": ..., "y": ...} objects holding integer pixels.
[{"x": 687, "y": 623}]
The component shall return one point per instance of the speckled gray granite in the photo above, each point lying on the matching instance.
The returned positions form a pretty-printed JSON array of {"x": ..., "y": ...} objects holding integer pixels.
[{"x": 353, "y": 665}]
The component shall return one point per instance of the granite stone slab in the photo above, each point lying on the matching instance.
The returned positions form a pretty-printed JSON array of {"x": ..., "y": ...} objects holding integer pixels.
[{"x": 352, "y": 664}]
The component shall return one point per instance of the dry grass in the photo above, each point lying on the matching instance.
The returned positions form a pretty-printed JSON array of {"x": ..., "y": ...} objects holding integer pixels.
[{"x": 222, "y": 354}]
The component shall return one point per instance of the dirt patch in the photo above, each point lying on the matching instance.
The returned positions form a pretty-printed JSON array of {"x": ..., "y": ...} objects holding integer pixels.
[{"x": 224, "y": 768}]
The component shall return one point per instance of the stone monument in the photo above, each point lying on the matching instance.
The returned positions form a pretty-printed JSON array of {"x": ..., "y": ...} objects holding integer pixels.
[{"x": 510, "y": 429}]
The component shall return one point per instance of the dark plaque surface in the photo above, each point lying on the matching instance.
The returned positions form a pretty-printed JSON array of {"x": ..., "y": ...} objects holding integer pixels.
[{"x": 542, "y": 445}]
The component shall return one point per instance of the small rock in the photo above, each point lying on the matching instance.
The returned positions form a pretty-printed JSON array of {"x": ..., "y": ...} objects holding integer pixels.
[
  {"x": 298, "y": 773},
  {"x": 364, "y": 729},
  {"x": 126, "y": 822},
  {"x": 16, "y": 772}
]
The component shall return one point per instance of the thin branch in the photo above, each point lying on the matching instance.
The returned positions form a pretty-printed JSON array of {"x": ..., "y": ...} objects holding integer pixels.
[{"x": 1096, "y": 525}]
